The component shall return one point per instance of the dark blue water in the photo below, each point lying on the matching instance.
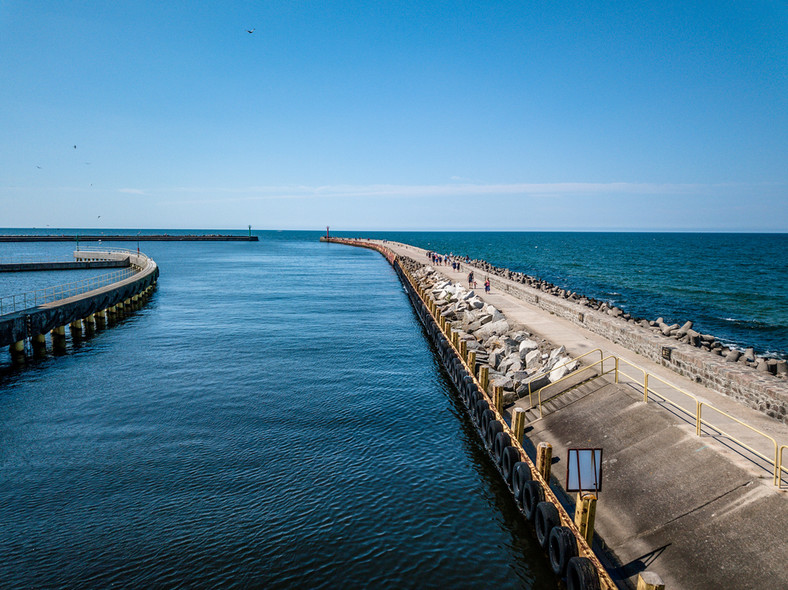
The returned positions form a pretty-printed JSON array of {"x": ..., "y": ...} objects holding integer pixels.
[
  {"x": 273, "y": 418},
  {"x": 734, "y": 286}
]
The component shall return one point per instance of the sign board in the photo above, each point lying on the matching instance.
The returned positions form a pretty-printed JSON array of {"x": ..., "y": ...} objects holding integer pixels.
[
  {"x": 666, "y": 350},
  {"x": 584, "y": 470}
]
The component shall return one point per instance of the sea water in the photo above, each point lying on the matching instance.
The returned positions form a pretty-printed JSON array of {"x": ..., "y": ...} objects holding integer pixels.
[{"x": 274, "y": 417}]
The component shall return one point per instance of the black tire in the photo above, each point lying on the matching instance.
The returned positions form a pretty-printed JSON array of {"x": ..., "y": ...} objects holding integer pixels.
[
  {"x": 473, "y": 397},
  {"x": 487, "y": 417},
  {"x": 502, "y": 441},
  {"x": 545, "y": 521},
  {"x": 581, "y": 574},
  {"x": 479, "y": 409},
  {"x": 493, "y": 428},
  {"x": 521, "y": 475},
  {"x": 509, "y": 459},
  {"x": 533, "y": 494},
  {"x": 562, "y": 546}
]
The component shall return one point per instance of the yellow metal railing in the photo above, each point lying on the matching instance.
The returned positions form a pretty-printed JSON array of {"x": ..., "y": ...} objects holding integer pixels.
[
  {"x": 779, "y": 481},
  {"x": 696, "y": 415},
  {"x": 701, "y": 421},
  {"x": 600, "y": 362},
  {"x": 569, "y": 362}
]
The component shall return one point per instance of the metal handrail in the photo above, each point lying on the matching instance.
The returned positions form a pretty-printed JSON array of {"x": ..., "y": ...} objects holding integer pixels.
[
  {"x": 697, "y": 416},
  {"x": 108, "y": 249},
  {"x": 602, "y": 372},
  {"x": 646, "y": 390},
  {"x": 569, "y": 362},
  {"x": 780, "y": 471},
  {"x": 746, "y": 446},
  {"x": 28, "y": 258},
  {"x": 21, "y": 301}
]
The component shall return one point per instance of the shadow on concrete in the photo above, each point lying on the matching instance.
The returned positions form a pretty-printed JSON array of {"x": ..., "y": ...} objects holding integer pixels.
[{"x": 637, "y": 565}]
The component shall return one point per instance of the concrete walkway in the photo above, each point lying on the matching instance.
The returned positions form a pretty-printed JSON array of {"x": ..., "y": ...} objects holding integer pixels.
[{"x": 700, "y": 511}]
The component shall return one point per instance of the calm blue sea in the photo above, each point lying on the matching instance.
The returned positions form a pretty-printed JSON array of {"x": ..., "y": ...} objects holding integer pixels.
[{"x": 273, "y": 418}]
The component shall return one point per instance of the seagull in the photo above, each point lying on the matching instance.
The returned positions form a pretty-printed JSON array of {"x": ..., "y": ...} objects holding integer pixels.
[
  {"x": 75, "y": 147},
  {"x": 250, "y": 32},
  {"x": 39, "y": 167}
]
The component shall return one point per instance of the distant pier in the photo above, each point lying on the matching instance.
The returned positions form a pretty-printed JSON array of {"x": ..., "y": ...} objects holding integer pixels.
[{"x": 128, "y": 238}]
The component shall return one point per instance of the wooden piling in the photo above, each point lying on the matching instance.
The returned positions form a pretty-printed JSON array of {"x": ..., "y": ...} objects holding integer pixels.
[
  {"x": 484, "y": 377},
  {"x": 544, "y": 458},
  {"x": 585, "y": 513},
  {"x": 498, "y": 398},
  {"x": 518, "y": 424},
  {"x": 650, "y": 581}
]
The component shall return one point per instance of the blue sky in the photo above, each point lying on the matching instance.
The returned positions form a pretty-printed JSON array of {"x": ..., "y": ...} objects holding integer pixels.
[{"x": 395, "y": 115}]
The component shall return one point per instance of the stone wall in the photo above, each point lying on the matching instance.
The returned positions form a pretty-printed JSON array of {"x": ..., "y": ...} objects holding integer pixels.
[{"x": 757, "y": 389}]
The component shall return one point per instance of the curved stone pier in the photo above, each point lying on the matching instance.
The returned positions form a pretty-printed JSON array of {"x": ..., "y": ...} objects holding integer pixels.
[{"x": 36, "y": 322}]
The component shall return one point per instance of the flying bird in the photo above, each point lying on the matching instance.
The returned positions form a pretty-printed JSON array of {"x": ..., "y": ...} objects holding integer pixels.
[
  {"x": 250, "y": 32},
  {"x": 75, "y": 147}
]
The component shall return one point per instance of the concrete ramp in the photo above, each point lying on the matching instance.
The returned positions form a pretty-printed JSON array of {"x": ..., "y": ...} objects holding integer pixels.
[{"x": 671, "y": 501}]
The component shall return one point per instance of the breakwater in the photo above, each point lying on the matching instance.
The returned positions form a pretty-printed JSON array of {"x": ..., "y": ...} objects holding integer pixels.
[
  {"x": 567, "y": 541},
  {"x": 82, "y": 309},
  {"x": 128, "y": 238},
  {"x": 683, "y": 333},
  {"x": 738, "y": 376}
]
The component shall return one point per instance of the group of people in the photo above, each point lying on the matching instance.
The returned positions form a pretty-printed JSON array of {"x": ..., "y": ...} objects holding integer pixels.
[
  {"x": 443, "y": 259},
  {"x": 472, "y": 282}
]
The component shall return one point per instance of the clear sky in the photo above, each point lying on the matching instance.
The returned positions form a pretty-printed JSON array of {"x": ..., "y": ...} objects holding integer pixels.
[{"x": 665, "y": 115}]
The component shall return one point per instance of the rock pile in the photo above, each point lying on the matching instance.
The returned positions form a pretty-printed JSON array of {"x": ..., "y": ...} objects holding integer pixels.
[
  {"x": 515, "y": 357},
  {"x": 683, "y": 333}
]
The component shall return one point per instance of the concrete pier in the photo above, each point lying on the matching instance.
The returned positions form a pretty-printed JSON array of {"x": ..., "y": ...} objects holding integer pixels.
[
  {"x": 694, "y": 512},
  {"x": 56, "y": 315}
]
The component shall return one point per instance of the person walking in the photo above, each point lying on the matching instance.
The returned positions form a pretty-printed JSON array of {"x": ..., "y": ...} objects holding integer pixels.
[
  {"x": 487, "y": 285},
  {"x": 470, "y": 279}
]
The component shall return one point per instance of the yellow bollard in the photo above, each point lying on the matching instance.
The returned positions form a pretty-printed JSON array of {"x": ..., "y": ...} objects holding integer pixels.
[
  {"x": 650, "y": 581},
  {"x": 585, "y": 513},
  {"x": 544, "y": 457},
  {"x": 498, "y": 398},
  {"x": 484, "y": 377},
  {"x": 518, "y": 423},
  {"x": 39, "y": 342}
]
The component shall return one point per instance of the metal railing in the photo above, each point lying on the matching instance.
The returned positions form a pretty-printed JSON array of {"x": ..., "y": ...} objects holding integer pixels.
[
  {"x": 551, "y": 369},
  {"x": 602, "y": 372},
  {"x": 696, "y": 415},
  {"x": 782, "y": 448},
  {"x": 29, "y": 258},
  {"x": 21, "y": 301}
]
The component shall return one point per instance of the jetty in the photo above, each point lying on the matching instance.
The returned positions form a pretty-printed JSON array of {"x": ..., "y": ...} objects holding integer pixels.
[
  {"x": 81, "y": 306},
  {"x": 128, "y": 238},
  {"x": 693, "y": 492}
]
